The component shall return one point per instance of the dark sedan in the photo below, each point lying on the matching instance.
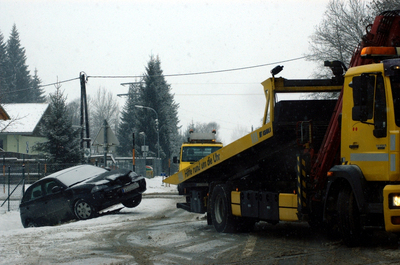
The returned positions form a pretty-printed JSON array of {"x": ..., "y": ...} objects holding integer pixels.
[{"x": 79, "y": 192}]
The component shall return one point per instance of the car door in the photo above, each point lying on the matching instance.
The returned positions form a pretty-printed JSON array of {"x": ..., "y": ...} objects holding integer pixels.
[
  {"x": 56, "y": 201},
  {"x": 33, "y": 206}
]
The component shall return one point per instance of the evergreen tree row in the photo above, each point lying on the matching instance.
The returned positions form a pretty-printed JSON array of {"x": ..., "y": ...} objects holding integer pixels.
[
  {"x": 63, "y": 142},
  {"x": 16, "y": 83},
  {"x": 156, "y": 122}
]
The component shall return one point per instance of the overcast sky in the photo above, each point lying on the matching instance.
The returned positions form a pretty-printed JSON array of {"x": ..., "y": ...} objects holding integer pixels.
[{"x": 117, "y": 38}]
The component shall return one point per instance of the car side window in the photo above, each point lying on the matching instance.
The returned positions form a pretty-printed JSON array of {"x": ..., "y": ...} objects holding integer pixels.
[{"x": 36, "y": 192}]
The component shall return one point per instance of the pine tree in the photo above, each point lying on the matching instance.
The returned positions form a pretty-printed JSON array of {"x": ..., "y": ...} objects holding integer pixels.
[
  {"x": 63, "y": 142},
  {"x": 36, "y": 92},
  {"x": 3, "y": 60},
  {"x": 127, "y": 125},
  {"x": 18, "y": 77},
  {"x": 156, "y": 94},
  {"x": 17, "y": 85}
]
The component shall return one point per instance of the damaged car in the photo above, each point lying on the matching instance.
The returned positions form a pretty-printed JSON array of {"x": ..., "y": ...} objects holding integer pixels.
[{"x": 79, "y": 192}]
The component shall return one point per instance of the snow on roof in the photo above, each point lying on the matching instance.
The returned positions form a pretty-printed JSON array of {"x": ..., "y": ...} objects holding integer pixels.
[{"x": 24, "y": 117}]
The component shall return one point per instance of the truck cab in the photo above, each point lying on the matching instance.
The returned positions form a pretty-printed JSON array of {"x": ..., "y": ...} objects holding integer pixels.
[{"x": 198, "y": 145}]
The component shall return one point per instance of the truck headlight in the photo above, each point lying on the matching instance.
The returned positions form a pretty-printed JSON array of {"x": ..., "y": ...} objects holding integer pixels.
[{"x": 394, "y": 201}]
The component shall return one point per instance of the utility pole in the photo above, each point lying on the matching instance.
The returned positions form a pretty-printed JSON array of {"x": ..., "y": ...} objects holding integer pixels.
[
  {"x": 133, "y": 152},
  {"x": 105, "y": 143},
  {"x": 84, "y": 114}
]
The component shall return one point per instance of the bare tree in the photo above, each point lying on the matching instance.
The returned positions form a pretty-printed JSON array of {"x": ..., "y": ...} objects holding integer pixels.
[
  {"x": 4, "y": 124},
  {"x": 239, "y": 132},
  {"x": 378, "y": 7},
  {"x": 203, "y": 128},
  {"x": 74, "y": 109},
  {"x": 103, "y": 106},
  {"x": 340, "y": 31}
]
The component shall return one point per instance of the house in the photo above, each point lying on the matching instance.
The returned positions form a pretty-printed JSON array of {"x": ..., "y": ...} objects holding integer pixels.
[
  {"x": 22, "y": 130},
  {"x": 3, "y": 114}
]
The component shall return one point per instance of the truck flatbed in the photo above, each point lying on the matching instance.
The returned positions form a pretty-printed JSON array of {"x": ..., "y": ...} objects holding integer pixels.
[{"x": 270, "y": 146}]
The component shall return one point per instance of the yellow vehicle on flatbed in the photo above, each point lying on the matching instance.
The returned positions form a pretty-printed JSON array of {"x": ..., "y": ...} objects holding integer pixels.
[
  {"x": 330, "y": 162},
  {"x": 197, "y": 146}
]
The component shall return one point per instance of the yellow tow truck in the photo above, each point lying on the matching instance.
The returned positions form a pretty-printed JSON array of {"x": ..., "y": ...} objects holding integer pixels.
[
  {"x": 197, "y": 146},
  {"x": 329, "y": 162}
]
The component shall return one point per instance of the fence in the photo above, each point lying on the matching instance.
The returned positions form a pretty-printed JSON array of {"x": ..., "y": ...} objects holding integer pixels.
[
  {"x": 13, "y": 182},
  {"x": 19, "y": 170},
  {"x": 16, "y": 173}
]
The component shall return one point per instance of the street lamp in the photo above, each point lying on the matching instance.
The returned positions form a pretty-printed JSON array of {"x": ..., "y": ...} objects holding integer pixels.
[
  {"x": 144, "y": 137},
  {"x": 144, "y": 149},
  {"x": 158, "y": 135}
]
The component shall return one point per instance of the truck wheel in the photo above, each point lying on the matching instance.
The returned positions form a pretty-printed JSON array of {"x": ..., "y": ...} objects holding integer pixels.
[
  {"x": 181, "y": 190},
  {"x": 221, "y": 215},
  {"x": 348, "y": 218}
]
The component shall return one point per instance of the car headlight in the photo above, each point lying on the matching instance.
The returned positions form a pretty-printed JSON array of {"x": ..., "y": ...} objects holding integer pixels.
[
  {"x": 394, "y": 201},
  {"x": 134, "y": 175},
  {"x": 98, "y": 187}
]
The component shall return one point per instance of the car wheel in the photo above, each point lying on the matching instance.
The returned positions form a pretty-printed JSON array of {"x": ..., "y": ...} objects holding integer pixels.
[
  {"x": 83, "y": 210},
  {"x": 131, "y": 203},
  {"x": 31, "y": 224}
]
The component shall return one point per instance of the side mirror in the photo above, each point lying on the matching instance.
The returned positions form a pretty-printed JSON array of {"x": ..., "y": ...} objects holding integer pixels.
[
  {"x": 175, "y": 160},
  {"x": 380, "y": 132},
  {"x": 56, "y": 189},
  {"x": 363, "y": 97},
  {"x": 359, "y": 113}
]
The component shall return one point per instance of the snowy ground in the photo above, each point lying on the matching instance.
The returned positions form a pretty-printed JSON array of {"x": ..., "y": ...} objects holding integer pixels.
[
  {"x": 13, "y": 249},
  {"x": 156, "y": 232},
  {"x": 10, "y": 220}
]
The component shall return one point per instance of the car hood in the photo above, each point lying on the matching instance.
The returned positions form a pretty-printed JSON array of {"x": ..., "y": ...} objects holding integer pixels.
[{"x": 115, "y": 176}]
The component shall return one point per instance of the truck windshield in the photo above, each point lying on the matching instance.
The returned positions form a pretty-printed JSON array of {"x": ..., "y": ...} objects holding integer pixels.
[
  {"x": 395, "y": 84},
  {"x": 195, "y": 153}
]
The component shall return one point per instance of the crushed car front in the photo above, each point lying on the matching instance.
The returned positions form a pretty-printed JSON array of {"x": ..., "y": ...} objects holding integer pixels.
[{"x": 114, "y": 187}]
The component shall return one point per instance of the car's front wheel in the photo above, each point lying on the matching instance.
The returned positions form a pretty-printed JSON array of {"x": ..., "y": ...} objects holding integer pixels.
[
  {"x": 83, "y": 210},
  {"x": 31, "y": 223},
  {"x": 131, "y": 203}
]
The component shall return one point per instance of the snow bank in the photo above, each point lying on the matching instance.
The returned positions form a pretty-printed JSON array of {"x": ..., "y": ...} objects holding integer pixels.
[
  {"x": 10, "y": 220},
  {"x": 155, "y": 185}
]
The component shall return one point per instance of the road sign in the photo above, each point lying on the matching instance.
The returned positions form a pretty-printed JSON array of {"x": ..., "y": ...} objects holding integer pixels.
[{"x": 111, "y": 138}]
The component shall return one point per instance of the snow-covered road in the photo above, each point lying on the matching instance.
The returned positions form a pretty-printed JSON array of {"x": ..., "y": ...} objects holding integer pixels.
[
  {"x": 156, "y": 232},
  {"x": 74, "y": 242}
]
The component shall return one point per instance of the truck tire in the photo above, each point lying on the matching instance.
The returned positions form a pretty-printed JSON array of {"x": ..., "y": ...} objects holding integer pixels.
[
  {"x": 348, "y": 218},
  {"x": 220, "y": 208}
]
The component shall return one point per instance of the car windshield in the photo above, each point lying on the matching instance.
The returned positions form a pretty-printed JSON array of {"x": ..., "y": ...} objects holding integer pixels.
[
  {"x": 74, "y": 175},
  {"x": 195, "y": 153}
]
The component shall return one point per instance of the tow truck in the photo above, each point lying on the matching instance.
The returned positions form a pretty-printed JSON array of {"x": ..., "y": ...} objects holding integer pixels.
[
  {"x": 333, "y": 163},
  {"x": 197, "y": 146}
]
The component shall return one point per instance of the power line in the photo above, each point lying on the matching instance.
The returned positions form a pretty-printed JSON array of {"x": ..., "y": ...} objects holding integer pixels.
[
  {"x": 60, "y": 82},
  {"x": 207, "y": 72},
  {"x": 181, "y": 74},
  {"x": 238, "y": 94}
]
